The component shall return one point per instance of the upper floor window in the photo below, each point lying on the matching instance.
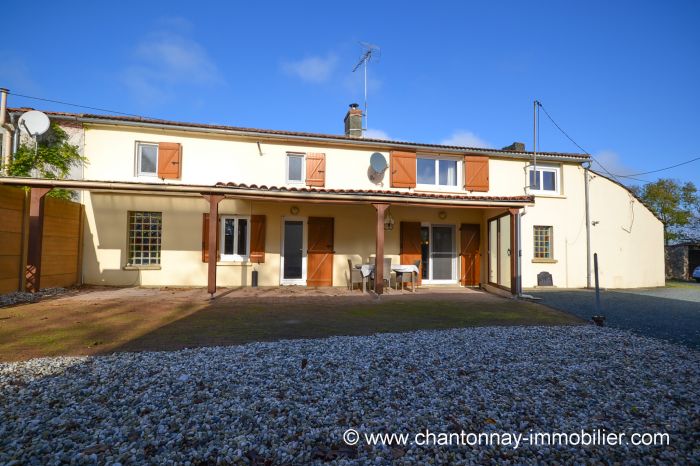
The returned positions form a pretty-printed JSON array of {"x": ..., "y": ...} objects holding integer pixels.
[
  {"x": 146, "y": 159},
  {"x": 235, "y": 238},
  {"x": 546, "y": 179},
  {"x": 437, "y": 172},
  {"x": 295, "y": 168}
]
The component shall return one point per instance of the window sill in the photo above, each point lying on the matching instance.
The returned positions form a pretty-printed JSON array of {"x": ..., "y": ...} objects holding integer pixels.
[
  {"x": 553, "y": 195},
  {"x": 141, "y": 267},
  {"x": 244, "y": 263},
  {"x": 544, "y": 261},
  {"x": 429, "y": 188}
]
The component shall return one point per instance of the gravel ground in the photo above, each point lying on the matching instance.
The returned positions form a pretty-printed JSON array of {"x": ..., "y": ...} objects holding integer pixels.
[
  {"x": 668, "y": 313},
  {"x": 289, "y": 402},
  {"x": 19, "y": 297}
]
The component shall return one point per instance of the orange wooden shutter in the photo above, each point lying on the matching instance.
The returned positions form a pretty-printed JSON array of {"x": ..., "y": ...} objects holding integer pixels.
[
  {"x": 410, "y": 246},
  {"x": 476, "y": 173},
  {"x": 315, "y": 169},
  {"x": 205, "y": 238},
  {"x": 169, "y": 160},
  {"x": 257, "y": 238},
  {"x": 403, "y": 169}
]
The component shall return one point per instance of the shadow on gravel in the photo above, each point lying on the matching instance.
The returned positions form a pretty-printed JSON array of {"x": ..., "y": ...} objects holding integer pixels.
[{"x": 674, "y": 320}]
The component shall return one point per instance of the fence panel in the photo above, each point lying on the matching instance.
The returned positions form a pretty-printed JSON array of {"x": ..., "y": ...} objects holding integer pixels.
[{"x": 12, "y": 213}]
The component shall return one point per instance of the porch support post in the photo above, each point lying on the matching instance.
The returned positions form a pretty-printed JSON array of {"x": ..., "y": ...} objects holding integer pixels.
[
  {"x": 514, "y": 252},
  {"x": 379, "y": 261},
  {"x": 32, "y": 272},
  {"x": 213, "y": 200}
]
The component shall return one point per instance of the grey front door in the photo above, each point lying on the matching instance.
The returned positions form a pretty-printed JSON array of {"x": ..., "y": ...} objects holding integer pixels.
[{"x": 293, "y": 249}]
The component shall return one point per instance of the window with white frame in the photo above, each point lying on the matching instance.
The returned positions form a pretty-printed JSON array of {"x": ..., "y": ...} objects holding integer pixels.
[
  {"x": 437, "y": 172},
  {"x": 543, "y": 242},
  {"x": 546, "y": 179},
  {"x": 235, "y": 238},
  {"x": 295, "y": 168},
  {"x": 146, "y": 159},
  {"x": 145, "y": 233}
]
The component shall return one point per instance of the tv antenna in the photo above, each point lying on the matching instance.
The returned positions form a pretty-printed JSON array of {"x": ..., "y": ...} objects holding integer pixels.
[{"x": 370, "y": 52}]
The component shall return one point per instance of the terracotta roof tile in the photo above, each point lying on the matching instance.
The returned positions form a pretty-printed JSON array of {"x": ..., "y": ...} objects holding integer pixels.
[
  {"x": 302, "y": 134},
  {"x": 382, "y": 192}
]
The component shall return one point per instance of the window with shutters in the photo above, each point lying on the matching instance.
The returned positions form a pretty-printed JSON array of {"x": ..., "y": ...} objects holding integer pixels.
[
  {"x": 437, "y": 173},
  {"x": 545, "y": 180},
  {"x": 295, "y": 168},
  {"x": 235, "y": 238},
  {"x": 145, "y": 233},
  {"x": 146, "y": 159}
]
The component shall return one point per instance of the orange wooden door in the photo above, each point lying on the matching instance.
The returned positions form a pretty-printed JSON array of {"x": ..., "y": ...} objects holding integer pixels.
[
  {"x": 411, "y": 245},
  {"x": 320, "y": 252},
  {"x": 470, "y": 239}
]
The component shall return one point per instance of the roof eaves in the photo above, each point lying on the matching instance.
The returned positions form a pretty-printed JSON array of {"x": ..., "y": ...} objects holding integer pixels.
[{"x": 255, "y": 132}]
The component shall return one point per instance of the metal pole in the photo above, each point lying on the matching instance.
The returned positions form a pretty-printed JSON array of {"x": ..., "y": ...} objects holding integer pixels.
[
  {"x": 534, "y": 145},
  {"x": 366, "y": 122},
  {"x": 588, "y": 229},
  {"x": 597, "y": 288}
]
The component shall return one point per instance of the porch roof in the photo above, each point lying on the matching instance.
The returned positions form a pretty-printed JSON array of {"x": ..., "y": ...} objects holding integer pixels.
[{"x": 271, "y": 193}]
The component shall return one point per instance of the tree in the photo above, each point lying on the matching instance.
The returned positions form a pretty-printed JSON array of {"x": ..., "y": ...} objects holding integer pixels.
[
  {"x": 53, "y": 158},
  {"x": 676, "y": 204}
]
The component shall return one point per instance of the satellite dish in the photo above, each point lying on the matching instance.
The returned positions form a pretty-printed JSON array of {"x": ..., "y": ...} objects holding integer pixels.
[
  {"x": 377, "y": 162},
  {"x": 34, "y": 122},
  {"x": 377, "y": 167}
]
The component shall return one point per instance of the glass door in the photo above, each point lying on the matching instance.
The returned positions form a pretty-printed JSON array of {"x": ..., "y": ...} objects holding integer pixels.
[
  {"x": 293, "y": 252},
  {"x": 442, "y": 253},
  {"x": 499, "y": 251}
]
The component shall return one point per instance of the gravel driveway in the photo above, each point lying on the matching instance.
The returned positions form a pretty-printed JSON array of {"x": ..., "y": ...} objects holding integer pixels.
[
  {"x": 671, "y": 313},
  {"x": 290, "y": 402}
]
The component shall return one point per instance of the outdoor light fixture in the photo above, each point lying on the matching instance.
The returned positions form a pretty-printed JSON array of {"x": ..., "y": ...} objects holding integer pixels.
[
  {"x": 388, "y": 221},
  {"x": 442, "y": 214},
  {"x": 294, "y": 210}
]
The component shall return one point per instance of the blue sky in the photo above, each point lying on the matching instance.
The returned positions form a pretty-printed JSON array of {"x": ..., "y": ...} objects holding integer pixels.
[{"x": 622, "y": 78}]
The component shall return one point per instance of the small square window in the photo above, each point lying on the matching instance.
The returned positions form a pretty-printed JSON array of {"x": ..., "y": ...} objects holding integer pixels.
[
  {"x": 147, "y": 159},
  {"x": 543, "y": 242},
  {"x": 295, "y": 168}
]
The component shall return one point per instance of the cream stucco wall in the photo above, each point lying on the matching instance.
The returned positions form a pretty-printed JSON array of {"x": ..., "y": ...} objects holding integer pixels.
[
  {"x": 626, "y": 236},
  {"x": 105, "y": 246}
]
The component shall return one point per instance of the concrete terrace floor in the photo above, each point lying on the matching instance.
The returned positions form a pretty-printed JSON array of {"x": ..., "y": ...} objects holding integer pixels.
[
  {"x": 671, "y": 313},
  {"x": 105, "y": 320}
]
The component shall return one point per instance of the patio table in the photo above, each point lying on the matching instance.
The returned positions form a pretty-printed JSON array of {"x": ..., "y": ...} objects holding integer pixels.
[{"x": 367, "y": 270}]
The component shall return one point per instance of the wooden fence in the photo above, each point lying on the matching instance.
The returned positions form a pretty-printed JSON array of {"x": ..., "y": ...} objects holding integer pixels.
[{"x": 61, "y": 242}]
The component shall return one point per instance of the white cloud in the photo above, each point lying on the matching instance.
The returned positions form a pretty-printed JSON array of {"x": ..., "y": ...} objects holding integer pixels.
[
  {"x": 312, "y": 69},
  {"x": 612, "y": 162},
  {"x": 464, "y": 138},
  {"x": 166, "y": 59},
  {"x": 376, "y": 134}
]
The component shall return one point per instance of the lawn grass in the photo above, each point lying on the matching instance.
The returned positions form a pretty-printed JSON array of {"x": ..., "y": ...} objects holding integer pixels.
[{"x": 158, "y": 320}]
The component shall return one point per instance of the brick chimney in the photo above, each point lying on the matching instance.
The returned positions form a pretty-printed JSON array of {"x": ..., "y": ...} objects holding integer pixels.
[
  {"x": 353, "y": 121},
  {"x": 516, "y": 146}
]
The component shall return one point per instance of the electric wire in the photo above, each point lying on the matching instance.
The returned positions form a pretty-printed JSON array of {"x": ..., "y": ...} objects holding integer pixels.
[{"x": 74, "y": 105}]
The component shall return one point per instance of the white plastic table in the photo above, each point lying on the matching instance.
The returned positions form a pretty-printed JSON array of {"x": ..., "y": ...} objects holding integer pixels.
[{"x": 366, "y": 270}]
